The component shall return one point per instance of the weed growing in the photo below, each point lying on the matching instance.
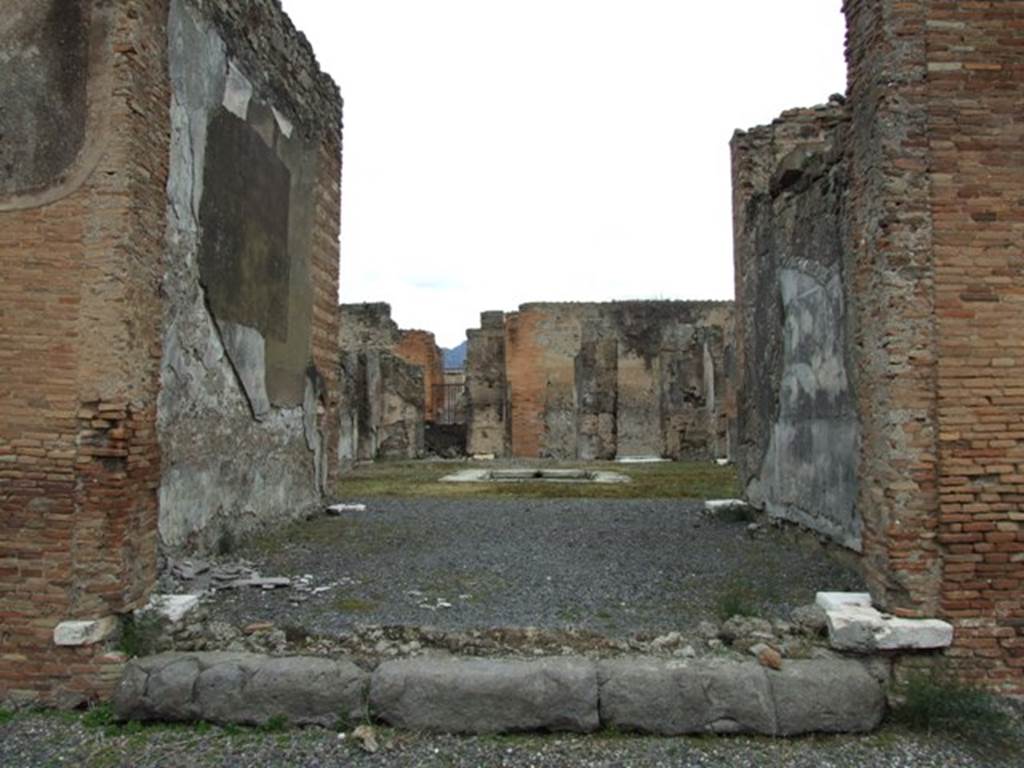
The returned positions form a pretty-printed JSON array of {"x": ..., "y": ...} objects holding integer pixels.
[
  {"x": 937, "y": 705},
  {"x": 738, "y": 598},
  {"x": 276, "y": 724},
  {"x": 141, "y": 633}
]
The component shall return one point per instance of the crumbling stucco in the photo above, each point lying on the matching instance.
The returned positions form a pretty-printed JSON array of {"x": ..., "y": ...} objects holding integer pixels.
[
  {"x": 799, "y": 435},
  {"x": 240, "y": 445},
  {"x": 798, "y": 429}
]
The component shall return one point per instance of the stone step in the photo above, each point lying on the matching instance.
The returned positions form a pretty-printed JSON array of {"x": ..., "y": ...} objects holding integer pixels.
[{"x": 473, "y": 695}]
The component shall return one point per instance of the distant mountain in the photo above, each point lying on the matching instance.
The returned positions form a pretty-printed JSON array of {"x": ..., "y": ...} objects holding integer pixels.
[{"x": 455, "y": 358}]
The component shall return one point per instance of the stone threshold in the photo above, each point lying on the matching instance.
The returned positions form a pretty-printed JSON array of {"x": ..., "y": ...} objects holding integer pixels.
[{"x": 494, "y": 695}]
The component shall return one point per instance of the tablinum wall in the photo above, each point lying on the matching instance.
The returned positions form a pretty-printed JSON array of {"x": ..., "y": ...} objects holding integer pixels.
[{"x": 600, "y": 381}]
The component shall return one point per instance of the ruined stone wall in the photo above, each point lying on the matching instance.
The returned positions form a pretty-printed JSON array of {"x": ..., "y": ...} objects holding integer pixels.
[
  {"x": 600, "y": 381},
  {"x": 383, "y": 395},
  {"x": 799, "y": 434},
  {"x": 420, "y": 348},
  {"x": 82, "y": 214},
  {"x": 930, "y": 265},
  {"x": 367, "y": 326},
  {"x": 130, "y": 412},
  {"x": 249, "y": 348},
  {"x": 487, "y": 425}
]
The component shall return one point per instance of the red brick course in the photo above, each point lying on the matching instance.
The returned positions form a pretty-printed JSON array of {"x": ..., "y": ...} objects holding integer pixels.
[
  {"x": 420, "y": 348},
  {"x": 80, "y": 354},
  {"x": 79, "y": 373},
  {"x": 526, "y": 375},
  {"x": 937, "y": 94}
]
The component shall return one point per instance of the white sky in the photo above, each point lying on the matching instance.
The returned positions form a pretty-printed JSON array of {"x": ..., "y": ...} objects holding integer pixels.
[{"x": 500, "y": 152}]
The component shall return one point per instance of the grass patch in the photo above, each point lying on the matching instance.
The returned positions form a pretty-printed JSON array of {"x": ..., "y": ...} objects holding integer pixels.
[
  {"x": 6, "y": 716},
  {"x": 940, "y": 706},
  {"x": 140, "y": 634},
  {"x": 694, "y": 480},
  {"x": 352, "y": 604},
  {"x": 364, "y": 537},
  {"x": 738, "y": 598},
  {"x": 276, "y": 724},
  {"x": 100, "y": 716},
  {"x": 449, "y": 585}
]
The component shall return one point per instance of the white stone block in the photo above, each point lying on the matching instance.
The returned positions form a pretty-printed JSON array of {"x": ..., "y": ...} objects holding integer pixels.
[
  {"x": 864, "y": 629},
  {"x": 87, "y": 632},
  {"x": 467, "y": 476},
  {"x": 720, "y": 505},
  {"x": 833, "y": 601},
  {"x": 172, "y": 607},
  {"x": 337, "y": 509}
]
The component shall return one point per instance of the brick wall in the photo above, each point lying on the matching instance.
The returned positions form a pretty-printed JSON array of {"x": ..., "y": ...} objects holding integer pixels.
[
  {"x": 931, "y": 181},
  {"x": 527, "y": 380},
  {"x": 936, "y": 90},
  {"x": 96, "y": 308},
  {"x": 79, "y": 345},
  {"x": 975, "y": 114},
  {"x": 324, "y": 276},
  {"x": 250, "y": 273},
  {"x": 420, "y": 348},
  {"x": 892, "y": 282}
]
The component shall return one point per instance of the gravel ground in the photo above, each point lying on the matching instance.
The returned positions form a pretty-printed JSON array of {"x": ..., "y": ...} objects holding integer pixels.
[
  {"x": 61, "y": 739},
  {"x": 614, "y": 567}
]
